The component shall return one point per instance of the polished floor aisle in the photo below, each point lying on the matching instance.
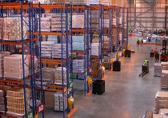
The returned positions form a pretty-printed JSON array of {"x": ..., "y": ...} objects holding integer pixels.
[{"x": 127, "y": 95}]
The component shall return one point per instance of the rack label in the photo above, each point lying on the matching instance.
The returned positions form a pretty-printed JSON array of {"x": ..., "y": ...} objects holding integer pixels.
[
  {"x": 40, "y": 108},
  {"x": 30, "y": 115}
]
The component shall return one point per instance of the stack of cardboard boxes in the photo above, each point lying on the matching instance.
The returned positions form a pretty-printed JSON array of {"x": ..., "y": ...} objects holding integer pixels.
[{"x": 95, "y": 68}]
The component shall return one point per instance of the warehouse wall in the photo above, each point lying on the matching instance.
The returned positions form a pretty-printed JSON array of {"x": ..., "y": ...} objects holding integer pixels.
[{"x": 149, "y": 14}]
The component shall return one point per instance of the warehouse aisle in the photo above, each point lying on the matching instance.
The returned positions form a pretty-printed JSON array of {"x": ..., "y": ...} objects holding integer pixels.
[{"x": 126, "y": 96}]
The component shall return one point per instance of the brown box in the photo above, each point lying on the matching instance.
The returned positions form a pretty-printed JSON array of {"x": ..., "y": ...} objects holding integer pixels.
[{"x": 49, "y": 99}]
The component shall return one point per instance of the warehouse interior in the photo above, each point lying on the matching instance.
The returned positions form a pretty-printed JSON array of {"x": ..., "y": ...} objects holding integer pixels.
[{"x": 83, "y": 59}]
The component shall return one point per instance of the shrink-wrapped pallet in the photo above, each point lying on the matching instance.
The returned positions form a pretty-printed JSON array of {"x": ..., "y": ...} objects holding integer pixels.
[
  {"x": 46, "y": 49},
  {"x": 2, "y": 55},
  {"x": 12, "y": 29},
  {"x": 3, "y": 99},
  {"x": 45, "y": 24},
  {"x": 157, "y": 70},
  {"x": 60, "y": 1},
  {"x": 105, "y": 2},
  {"x": 78, "y": 65},
  {"x": 15, "y": 101},
  {"x": 95, "y": 68},
  {"x": 120, "y": 3},
  {"x": 161, "y": 101},
  {"x": 114, "y": 2},
  {"x": 79, "y": 43},
  {"x": 114, "y": 35},
  {"x": 61, "y": 75},
  {"x": 164, "y": 79},
  {"x": 95, "y": 49},
  {"x": 164, "y": 65},
  {"x": 80, "y": 2},
  {"x": 78, "y": 21},
  {"x": 49, "y": 73},
  {"x": 60, "y": 102},
  {"x": 94, "y": 2},
  {"x": 13, "y": 67}
]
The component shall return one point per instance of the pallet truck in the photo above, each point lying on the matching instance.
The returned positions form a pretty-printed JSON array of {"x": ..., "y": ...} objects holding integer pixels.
[{"x": 145, "y": 70}]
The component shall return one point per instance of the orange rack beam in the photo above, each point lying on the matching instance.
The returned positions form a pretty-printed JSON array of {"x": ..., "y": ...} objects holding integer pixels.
[
  {"x": 52, "y": 61},
  {"x": 114, "y": 7},
  {"x": 79, "y": 7},
  {"x": 50, "y": 33},
  {"x": 79, "y": 52},
  {"x": 95, "y": 57},
  {"x": 96, "y": 7},
  {"x": 16, "y": 43},
  {"x": 49, "y": 7},
  {"x": 78, "y": 30},
  {"x": 115, "y": 26},
  {"x": 12, "y": 81}
]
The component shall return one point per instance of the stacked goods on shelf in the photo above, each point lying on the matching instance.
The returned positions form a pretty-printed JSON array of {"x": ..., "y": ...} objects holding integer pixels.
[
  {"x": 80, "y": 2},
  {"x": 46, "y": 49},
  {"x": 114, "y": 20},
  {"x": 12, "y": 29},
  {"x": 53, "y": 39},
  {"x": 95, "y": 20},
  {"x": 106, "y": 42},
  {"x": 49, "y": 100},
  {"x": 49, "y": 73},
  {"x": 125, "y": 3},
  {"x": 3, "y": 100},
  {"x": 164, "y": 79},
  {"x": 58, "y": 101},
  {"x": 2, "y": 55},
  {"x": 120, "y": 3},
  {"x": 13, "y": 67},
  {"x": 161, "y": 101},
  {"x": 79, "y": 43},
  {"x": 94, "y": 1},
  {"x": 60, "y": 1},
  {"x": 114, "y": 35},
  {"x": 114, "y": 2},
  {"x": 106, "y": 62},
  {"x": 45, "y": 24},
  {"x": 78, "y": 65},
  {"x": 59, "y": 52},
  {"x": 95, "y": 68},
  {"x": 15, "y": 101},
  {"x": 120, "y": 36},
  {"x": 52, "y": 22},
  {"x": 157, "y": 69},
  {"x": 163, "y": 112},
  {"x": 105, "y": 2},
  {"x": 59, "y": 77},
  {"x": 78, "y": 20},
  {"x": 164, "y": 65},
  {"x": 95, "y": 49}
]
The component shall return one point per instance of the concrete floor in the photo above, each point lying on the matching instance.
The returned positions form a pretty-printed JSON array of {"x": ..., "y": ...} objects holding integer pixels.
[{"x": 126, "y": 95}]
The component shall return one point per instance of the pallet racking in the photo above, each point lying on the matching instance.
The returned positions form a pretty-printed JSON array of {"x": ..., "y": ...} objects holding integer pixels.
[
  {"x": 22, "y": 11},
  {"x": 80, "y": 32}
]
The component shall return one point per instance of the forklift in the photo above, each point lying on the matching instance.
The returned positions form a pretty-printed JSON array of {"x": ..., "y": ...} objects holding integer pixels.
[{"x": 164, "y": 52}]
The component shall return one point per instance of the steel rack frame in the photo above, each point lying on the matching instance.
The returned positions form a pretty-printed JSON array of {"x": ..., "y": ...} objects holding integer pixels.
[
  {"x": 65, "y": 61},
  {"x": 26, "y": 10},
  {"x": 84, "y": 31},
  {"x": 99, "y": 9}
]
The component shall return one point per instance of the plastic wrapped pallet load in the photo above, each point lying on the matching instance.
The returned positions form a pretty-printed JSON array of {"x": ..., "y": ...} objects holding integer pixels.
[
  {"x": 95, "y": 49},
  {"x": 161, "y": 101},
  {"x": 164, "y": 80},
  {"x": 13, "y": 67},
  {"x": 3, "y": 99},
  {"x": 157, "y": 70},
  {"x": 46, "y": 49},
  {"x": 159, "y": 116},
  {"x": 80, "y": 2},
  {"x": 49, "y": 73},
  {"x": 164, "y": 65},
  {"x": 60, "y": 1},
  {"x": 15, "y": 101},
  {"x": 105, "y": 2},
  {"x": 78, "y": 21},
  {"x": 58, "y": 76},
  {"x": 114, "y": 2},
  {"x": 78, "y": 66},
  {"x": 2, "y": 55},
  {"x": 164, "y": 112},
  {"x": 60, "y": 102},
  {"x": 79, "y": 43}
]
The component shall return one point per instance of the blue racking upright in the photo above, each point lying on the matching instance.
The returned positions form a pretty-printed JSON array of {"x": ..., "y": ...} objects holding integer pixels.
[
  {"x": 80, "y": 44},
  {"x": 96, "y": 37},
  {"x": 25, "y": 13}
]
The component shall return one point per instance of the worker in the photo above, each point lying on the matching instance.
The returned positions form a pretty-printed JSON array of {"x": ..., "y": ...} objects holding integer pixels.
[
  {"x": 142, "y": 42},
  {"x": 156, "y": 50},
  {"x": 137, "y": 40},
  {"x": 152, "y": 53},
  {"x": 157, "y": 57},
  {"x": 146, "y": 62}
]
